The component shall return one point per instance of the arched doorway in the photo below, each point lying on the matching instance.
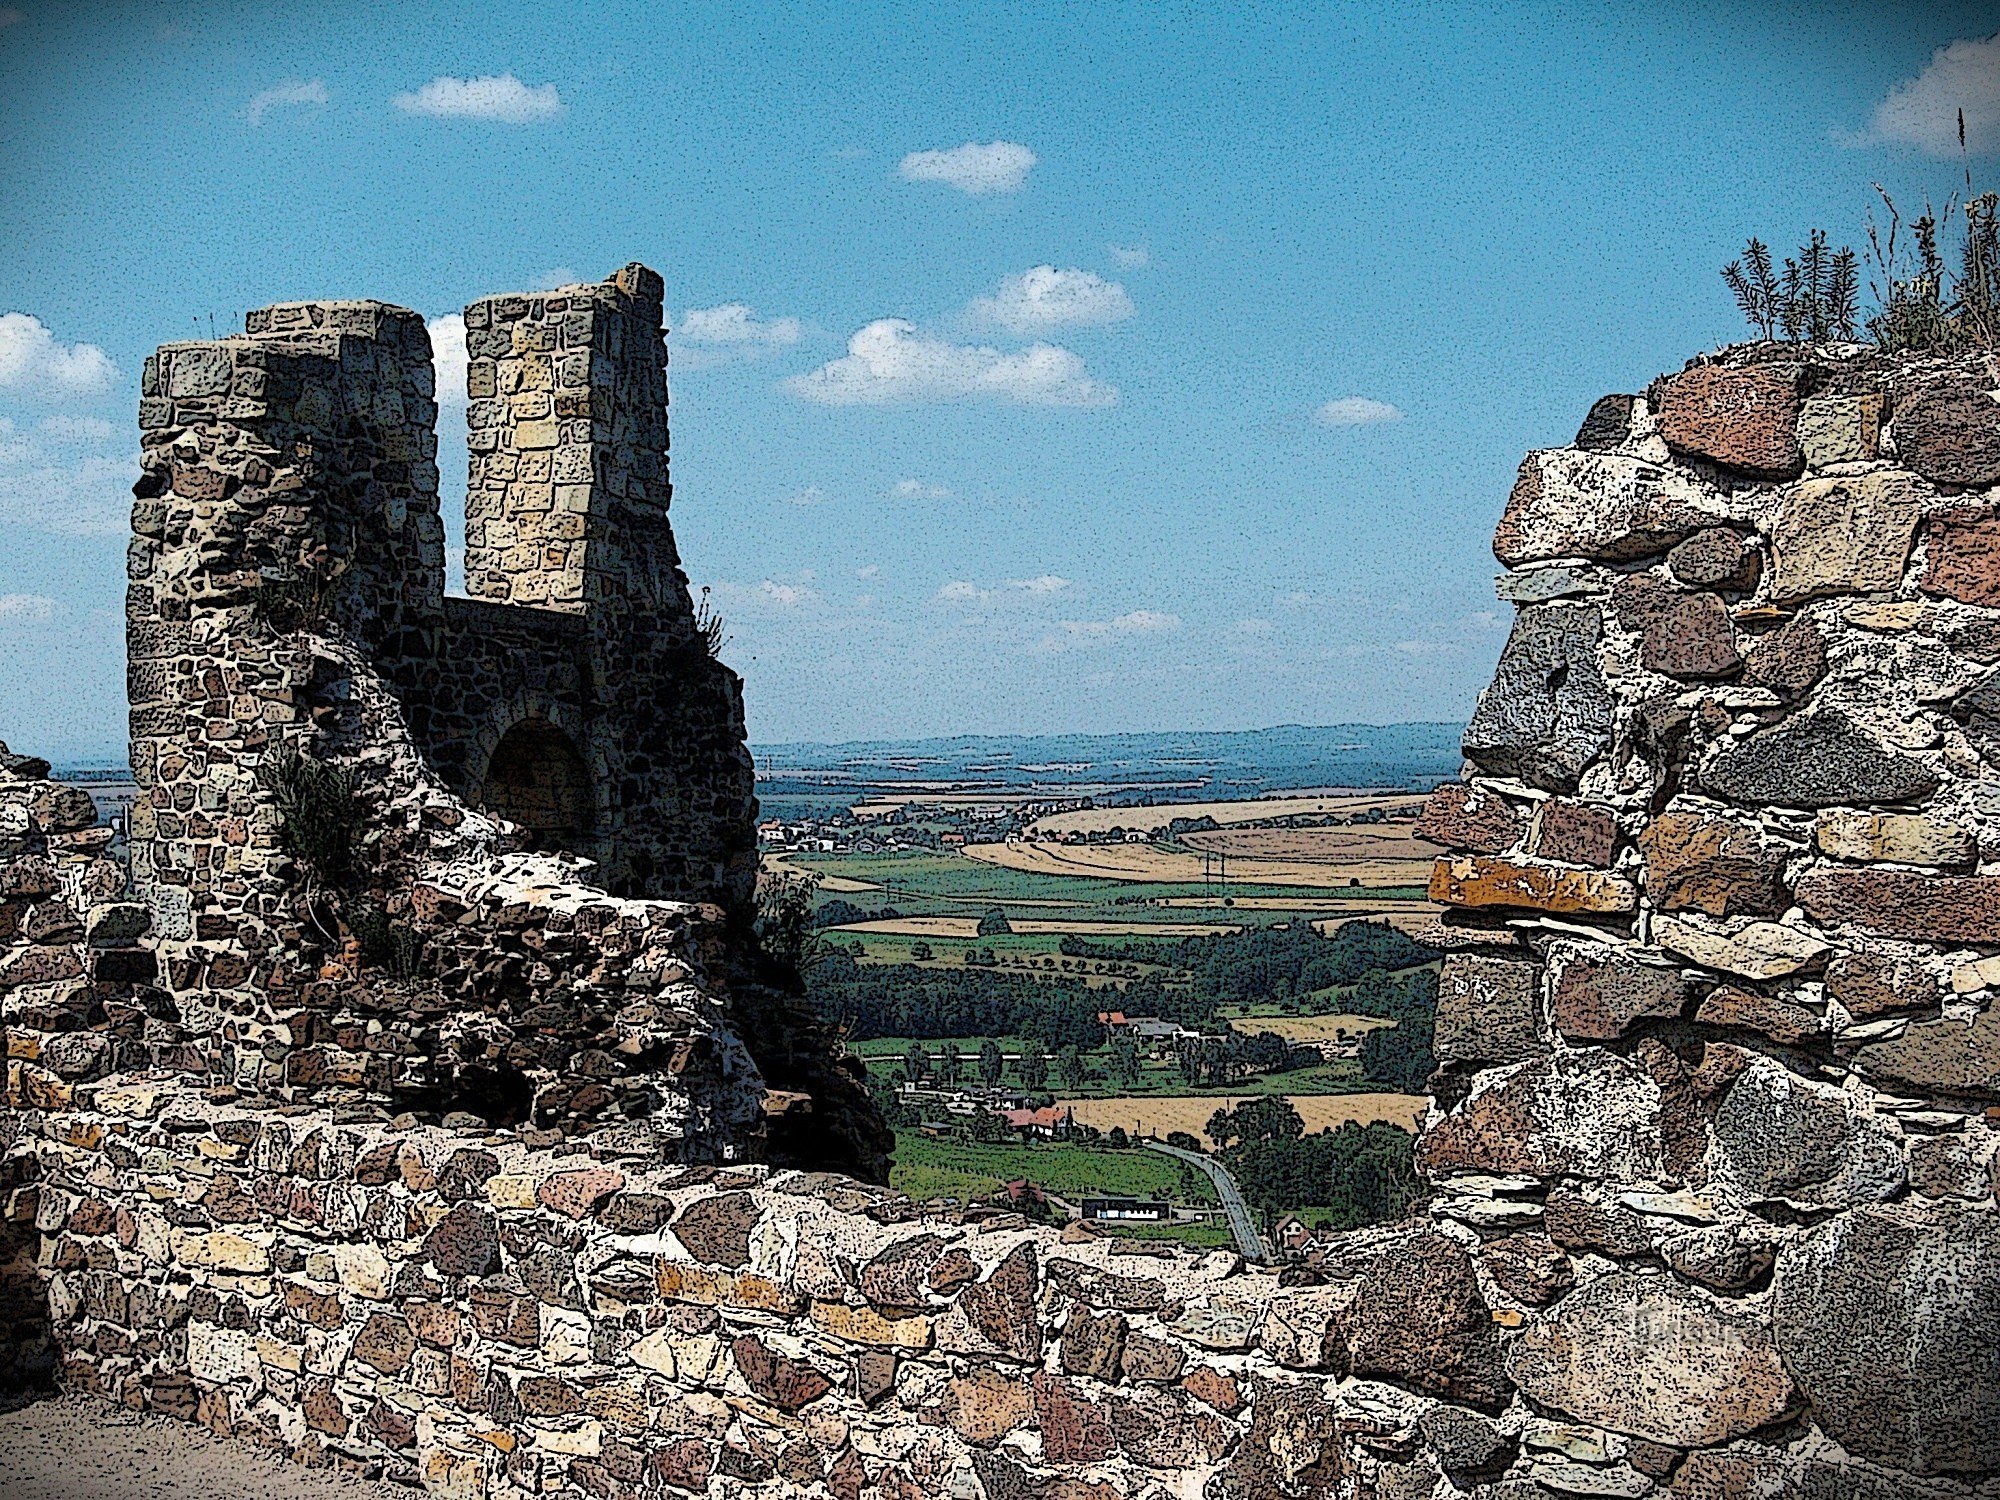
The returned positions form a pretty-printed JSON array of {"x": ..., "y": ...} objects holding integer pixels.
[{"x": 536, "y": 778}]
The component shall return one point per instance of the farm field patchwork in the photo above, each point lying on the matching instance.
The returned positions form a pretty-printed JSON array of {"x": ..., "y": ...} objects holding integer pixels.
[
  {"x": 1191, "y": 1112},
  {"x": 1310, "y": 1028},
  {"x": 1247, "y": 810},
  {"x": 1157, "y": 864}
]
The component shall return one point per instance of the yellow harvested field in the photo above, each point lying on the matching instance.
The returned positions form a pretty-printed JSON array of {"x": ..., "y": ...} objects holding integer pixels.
[
  {"x": 1191, "y": 1112},
  {"x": 776, "y": 864},
  {"x": 968, "y": 927},
  {"x": 1149, "y": 862},
  {"x": 1311, "y": 1028},
  {"x": 1253, "y": 810},
  {"x": 1372, "y": 845}
]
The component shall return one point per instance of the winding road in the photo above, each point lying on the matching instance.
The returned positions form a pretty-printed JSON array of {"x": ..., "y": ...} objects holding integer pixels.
[{"x": 1241, "y": 1224}]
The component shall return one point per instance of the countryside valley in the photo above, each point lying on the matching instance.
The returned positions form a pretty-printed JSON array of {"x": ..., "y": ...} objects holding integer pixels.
[{"x": 1085, "y": 973}]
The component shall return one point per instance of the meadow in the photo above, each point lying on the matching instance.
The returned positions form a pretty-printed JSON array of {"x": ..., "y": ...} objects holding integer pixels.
[
  {"x": 973, "y": 1171},
  {"x": 1192, "y": 1112}
]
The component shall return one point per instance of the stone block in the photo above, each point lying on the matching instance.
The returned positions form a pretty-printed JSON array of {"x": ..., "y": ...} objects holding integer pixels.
[
  {"x": 1950, "y": 435},
  {"x": 1743, "y": 418},
  {"x": 1489, "y": 881},
  {"x": 1488, "y": 1010},
  {"x": 1844, "y": 536},
  {"x": 1840, "y": 429}
]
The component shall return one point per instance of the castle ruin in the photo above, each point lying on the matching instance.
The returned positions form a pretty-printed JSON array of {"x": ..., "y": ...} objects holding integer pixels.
[{"x": 393, "y": 1142}]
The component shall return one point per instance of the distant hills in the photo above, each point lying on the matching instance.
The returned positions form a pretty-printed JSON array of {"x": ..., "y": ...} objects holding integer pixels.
[{"x": 1218, "y": 763}]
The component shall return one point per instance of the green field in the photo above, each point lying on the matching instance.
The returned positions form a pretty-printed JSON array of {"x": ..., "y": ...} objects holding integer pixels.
[
  {"x": 972, "y": 1171},
  {"x": 926, "y": 884}
]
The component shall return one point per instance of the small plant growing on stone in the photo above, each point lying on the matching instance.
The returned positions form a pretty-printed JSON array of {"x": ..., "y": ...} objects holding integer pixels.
[
  {"x": 1815, "y": 298},
  {"x": 708, "y": 627},
  {"x": 784, "y": 927},
  {"x": 317, "y": 820}
]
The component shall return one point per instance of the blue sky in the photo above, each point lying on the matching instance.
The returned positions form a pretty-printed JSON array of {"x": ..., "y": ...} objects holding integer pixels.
[{"x": 1186, "y": 399}]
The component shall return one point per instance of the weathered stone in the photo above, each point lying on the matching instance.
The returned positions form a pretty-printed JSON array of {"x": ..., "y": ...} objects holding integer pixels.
[
  {"x": 1817, "y": 759},
  {"x": 1539, "y": 585},
  {"x": 464, "y": 1243},
  {"x": 1572, "y": 832},
  {"x": 1093, "y": 1344},
  {"x": 1002, "y": 1308},
  {"x": 1642, "y": 1355},
  {"x": 682, "y": 1281},
  {"x": 1530, "y": 1268},
  {"x": 864, "y": 1325},
  {"x": 1578, "y": 1222},
  {"x": 900, "y": 1276},
  {"x": 1843, "y": 536},
  {"x": 1292, "y": 1451},
  {"x": 636, "y": 1213},
  {"x": 789, "y": 1384},
  {"x": 1465, "y": 1442},
  {"x": 1728, "y": 1257},
  {"x": 1153, "y": 1359},
  {"x": 1547, "y": 713},
  {"x": 717, "y": 1229},
  {"x": 1743, "y": 418},
  {"x": 1566, "y": 503},
  {"x": 1597, "y": 993},
  {"x": 1607, "y": 424},
  {"x": 873, "y": 1376},
  {"x": 1949, "y": 1166},
  {"x": 576, "y": 1195},
  {"x": 1962, "y": 556},
  {"x": 1075, "y": 1429},
  {"x": 1840, "y": 429},
  {"x": 1892, "y": 903},
  {"x": 1680, "y": 634},
  {"x": 1889, "y": 1317},
  {"x": 1950, "y": 435},
  {"x": 1775, "y": 1016},
  {"x": 1719, "y": 558},
  {"x": 1300, "y": 1330},
  {"x": 1213, "y": 1388},
  {"x": 1471, "y": 818},
  {"x": 1487, "y": 880},
  {"x": 1587, "y": 1114},
  {"x": 1755, "y": 950},
  {"x": 1777, "y": 1135},
  {"x": 1941, "y": 1055},
  {"x": 1895, "y": 838},
  {"x": 386, "y": 1343},
  {"x": 1165, "y": 1430},
  {"x": 1870, "y": 984},
  {"x": 1418, "y": 1319},
  {"x": 1702, "y": 861},
  {"x": 1788, "y": 661},
  {"x": 1488, "y": 1010}
]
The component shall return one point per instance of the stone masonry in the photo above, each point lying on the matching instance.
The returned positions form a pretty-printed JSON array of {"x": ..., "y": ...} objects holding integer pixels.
[{"x": 1711, "y": 1165}]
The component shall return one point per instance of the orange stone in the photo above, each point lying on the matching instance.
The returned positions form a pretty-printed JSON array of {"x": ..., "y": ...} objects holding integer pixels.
[{"x": 1479, "y": 880}]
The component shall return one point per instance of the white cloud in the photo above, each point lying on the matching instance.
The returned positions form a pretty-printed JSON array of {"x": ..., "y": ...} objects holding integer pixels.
[
  {"x": 889, "y": 361},
  {"x": 1356, "y": 411},
  {"x": 786, "y": 595},
  {"x": 870, "y": 570},
  {"x": 448, "y": 357},
  {"x": 997, "y": 167},
  {"x": 78, "y": 429},
  {"x": 736, "y": 325},
  {"x": 1131, "y": 255},
  {"x": 1087, "y": 634},
  {"x": 504, "y": 98},
  {"x": 33, "y": 362},
  {"x": 31, "y": 607},
  {"x": 962, "y": 591},
  {"x": 811, "y": 494},
  {"x": 1047, "y": 583},
  {"x": 558, "y": 276},
  {"x": 284, "y": 96},
  {"x": 1044, "y": 298},
  {"x": 916, "y": 489},
  {"x": 86, "y": 496},
  {"x": 1923, "y": 111}
]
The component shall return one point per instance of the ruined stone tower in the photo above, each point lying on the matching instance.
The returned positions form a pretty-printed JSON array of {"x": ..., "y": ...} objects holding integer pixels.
[{"x": 320, "y": 735}]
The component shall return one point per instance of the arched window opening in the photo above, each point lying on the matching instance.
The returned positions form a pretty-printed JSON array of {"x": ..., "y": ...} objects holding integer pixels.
[{"x": 538, "y": 780}]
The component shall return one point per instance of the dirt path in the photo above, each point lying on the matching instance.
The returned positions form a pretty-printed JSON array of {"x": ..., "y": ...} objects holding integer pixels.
[{"x": 75, "y": 1448}]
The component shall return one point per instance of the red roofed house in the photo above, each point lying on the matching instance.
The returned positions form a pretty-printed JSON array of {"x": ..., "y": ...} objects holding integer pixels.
[{"x": 1054, "y": 1122}]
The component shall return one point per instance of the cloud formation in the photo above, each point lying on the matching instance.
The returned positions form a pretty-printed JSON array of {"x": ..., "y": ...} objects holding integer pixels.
[
  {"x": 889, "y": 362},
  {"x": 34, "y": 608},
  {"x": 1046, "y": 583},
  {"x": 996, "y": 167},
  {"x": 1923, "y": 111},
  {"x": 448, "y": 357},
  {"x": 293, "y": 94},
  {"x": 1356, "y": 411},
  {"x": 34, "y": 364},
  {"x": 916, "y": 489},
  {"x": 504, "y": 98},
  {"x": 736, "y": 325},
  {"x": 1043, "y": 299},
  {"x": 1137, "y": 622},
  {"x": 1131, "y": 256},
  {"x": 61, "y": 489}
]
